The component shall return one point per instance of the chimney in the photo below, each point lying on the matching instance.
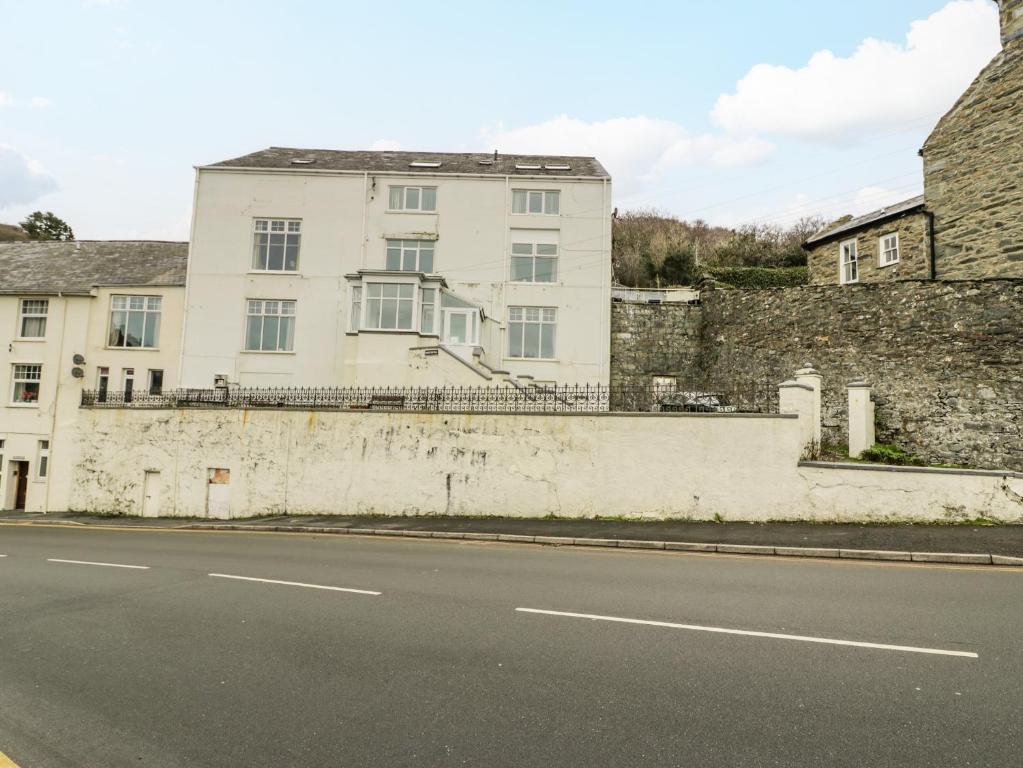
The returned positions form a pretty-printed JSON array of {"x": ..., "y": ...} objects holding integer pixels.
[{"x": 1011, "y": 18}]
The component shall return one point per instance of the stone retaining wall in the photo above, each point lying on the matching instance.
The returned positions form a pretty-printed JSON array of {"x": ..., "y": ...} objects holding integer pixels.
[{"x": 945, "y": 358}]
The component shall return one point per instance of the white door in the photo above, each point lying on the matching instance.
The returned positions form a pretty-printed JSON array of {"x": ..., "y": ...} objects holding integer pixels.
[
  {"x": 151, "y": 494},
  {"x": 459, "y": 331},
  {"x": 218, "y": 493}
]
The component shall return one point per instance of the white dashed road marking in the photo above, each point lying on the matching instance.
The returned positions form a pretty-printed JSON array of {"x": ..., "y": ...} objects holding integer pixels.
[
  {"x": 295, "y": 584},
  {"x": 751, "y": 633},
  {"x": 88, "y": 562}
]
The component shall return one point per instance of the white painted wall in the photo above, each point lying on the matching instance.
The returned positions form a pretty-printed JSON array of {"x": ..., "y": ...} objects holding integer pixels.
[
  {"x": 75, "y": 325},
  {"x": 345, "y": 224},
  {"x": 695, "y": 466}
]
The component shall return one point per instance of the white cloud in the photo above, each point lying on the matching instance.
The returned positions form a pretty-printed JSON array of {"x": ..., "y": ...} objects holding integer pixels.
[
  {"x": 5, "y": 99},
  {"x": 21, "y": 179},
  {"x": 635, "y": 150},
  {"x": 882, "y": 86},
  {"x": 385, "y": 145},
  {"x": 40, "y": 102}
]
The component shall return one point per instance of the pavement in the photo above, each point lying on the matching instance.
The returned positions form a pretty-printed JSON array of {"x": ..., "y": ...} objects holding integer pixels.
[
  {"x": 999, "y": 540},
  {"x": 177, "y": 647}
]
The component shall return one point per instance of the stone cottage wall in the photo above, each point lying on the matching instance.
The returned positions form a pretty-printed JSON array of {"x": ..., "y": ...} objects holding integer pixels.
[
  {"x": 653, "y": 340},
  {"x": 945, "y": 358},
  {"x": 914, "y": 254},
  {"x": 973, "y": 164}
]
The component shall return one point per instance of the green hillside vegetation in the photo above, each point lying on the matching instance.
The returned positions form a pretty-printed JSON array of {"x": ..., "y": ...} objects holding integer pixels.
[{"x": 654, "y": 249}]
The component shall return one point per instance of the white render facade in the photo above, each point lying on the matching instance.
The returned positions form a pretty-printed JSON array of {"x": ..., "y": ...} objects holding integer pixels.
[
  {"x": 317, "y": 268},
  {"x": 93, "y": 315}
]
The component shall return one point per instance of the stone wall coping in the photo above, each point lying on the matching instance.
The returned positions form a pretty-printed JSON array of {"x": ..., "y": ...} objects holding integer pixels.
[
  {"x": 924, "y": 470},
  {"x": 795, "y": 385},
  {"x": 880, "y": 285}
]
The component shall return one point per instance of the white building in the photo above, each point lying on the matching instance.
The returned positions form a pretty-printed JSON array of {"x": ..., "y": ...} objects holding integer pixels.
[
  {"x": 102, "y": 315},
  {"x": 326, "y": 268}
]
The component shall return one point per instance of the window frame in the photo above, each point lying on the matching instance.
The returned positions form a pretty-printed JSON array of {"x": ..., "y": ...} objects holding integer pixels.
[
  {"x": 288, "y": 232},
  {"x": 882, "y": 251},
  {"x": 546, "y": 193},
  {"x": 158, "y": 390},
  {"x": 293, "y": 315},
  {"x": 541, "y": 322},
  {"x": 404, "y": 198},
  {"x": 533, "y": 257},
  {"x": 430, "y": 245},
  {"x": 415, "y": 300},
  {"x": 42, "y": 459},
  {"x": 853, "y": 262},
  {"x": 24, "y": 379},
  {"x": 23, "y": 316},
  {"x": 127, "y": 310}
]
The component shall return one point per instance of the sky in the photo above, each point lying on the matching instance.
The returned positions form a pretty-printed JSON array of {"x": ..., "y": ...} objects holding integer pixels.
[{"x": 728, "y": 112}]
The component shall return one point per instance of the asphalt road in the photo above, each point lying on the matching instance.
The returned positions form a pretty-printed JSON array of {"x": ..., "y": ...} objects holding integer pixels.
[{"x": 168, "y": 665}]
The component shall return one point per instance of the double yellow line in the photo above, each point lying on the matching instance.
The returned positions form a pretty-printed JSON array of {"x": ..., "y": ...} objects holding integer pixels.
[{"x": 6, "y": 762}]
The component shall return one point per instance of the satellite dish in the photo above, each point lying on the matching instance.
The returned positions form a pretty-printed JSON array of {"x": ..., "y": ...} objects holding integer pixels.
[
  {"x": 78, "y": 360},
  {"x": 78, "y": 373}
]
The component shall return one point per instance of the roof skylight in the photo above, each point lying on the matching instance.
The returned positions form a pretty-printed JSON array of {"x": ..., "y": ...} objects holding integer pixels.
[
  {"x": 424, "y": 164},
  {"x": 526, "y": 167}
]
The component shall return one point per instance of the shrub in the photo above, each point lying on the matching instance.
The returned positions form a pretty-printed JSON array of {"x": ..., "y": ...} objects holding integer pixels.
[
  {"x": 886, "y": 453},
  {"x": 759, "y": 277}
]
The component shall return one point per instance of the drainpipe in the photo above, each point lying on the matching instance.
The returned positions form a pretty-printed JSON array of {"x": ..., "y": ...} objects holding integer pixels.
[
  {"x": 930, "y": 244},
  {"x": 55, "y": 406}
]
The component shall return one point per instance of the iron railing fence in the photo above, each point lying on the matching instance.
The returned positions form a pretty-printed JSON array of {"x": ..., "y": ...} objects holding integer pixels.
[{"x": 503, "y": 399}]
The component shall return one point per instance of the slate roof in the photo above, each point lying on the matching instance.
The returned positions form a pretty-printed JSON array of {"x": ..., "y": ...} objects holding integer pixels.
[
  {"x": 874, "y": 217},
  {"x": 477, "y": 163},
  {"x": 76, "y": 267}
]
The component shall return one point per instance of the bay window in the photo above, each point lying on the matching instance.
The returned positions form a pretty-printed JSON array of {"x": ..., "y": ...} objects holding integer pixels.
[
  {"x": 389, "y": 306},
  {"x": 428, "y": 311}
]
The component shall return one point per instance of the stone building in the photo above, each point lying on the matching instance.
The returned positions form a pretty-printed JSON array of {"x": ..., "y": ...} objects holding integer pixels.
[
  {"x": 888, "y": 244},
  {"x": 969, "y": 222}
]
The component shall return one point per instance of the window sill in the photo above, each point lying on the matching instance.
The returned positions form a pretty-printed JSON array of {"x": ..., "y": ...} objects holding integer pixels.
[
  {"x": 406, "y": 331},
  {"x": 290, "y": 272},
  {"x": 889, "y": 264},
  {"x": 556, "y": 284},
  {"x": 23, "y": 405},
  {"x": 534, "y": 359},
  {"x": 545, "y": 215},
  {"x": 30, "y": 339},
  {"x": 412, "y": 213},
  {"x": 132, "y": 349},
  {"x": 267, "y": 352}
]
